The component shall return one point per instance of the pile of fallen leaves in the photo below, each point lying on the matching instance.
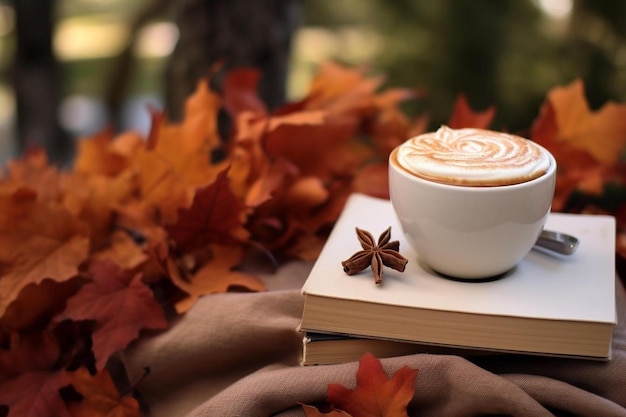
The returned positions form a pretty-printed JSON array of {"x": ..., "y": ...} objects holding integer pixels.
[{"x": 140, "y": 227}]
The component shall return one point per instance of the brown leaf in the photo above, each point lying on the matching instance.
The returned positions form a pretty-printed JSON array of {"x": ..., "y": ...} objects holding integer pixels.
[
  {"x": 32, "y": 386},
  {"x": 100, "y": 396},
  {"x": 103, "y": 154},
  {"x": 119, "y": 303},
  {"x": 32, "y": 170},
  {"x": 240, "y": 92},
  {"x": 37, "y": 241},
  {"x": 463, "y": 115},
  {"x": 216, "y": 276},
  {"x": 36, "y": 304},
  {"x": 123, "y": 251},
  {"x": 216, "y": 215}
]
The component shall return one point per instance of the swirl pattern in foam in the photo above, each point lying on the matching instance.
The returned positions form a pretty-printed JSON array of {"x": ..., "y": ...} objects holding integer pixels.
[{"x": 473, "y": 157}]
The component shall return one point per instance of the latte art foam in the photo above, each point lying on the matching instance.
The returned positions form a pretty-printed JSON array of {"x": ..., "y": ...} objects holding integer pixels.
[{"x": 474, "y": 157}]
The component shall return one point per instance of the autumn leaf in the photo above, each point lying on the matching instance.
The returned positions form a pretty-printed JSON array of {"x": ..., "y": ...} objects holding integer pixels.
[
  {"x": 37, "y": 241},
  {"x": 601, "y": 132},
  {"x": 123, "y": 250},
  {"x": 32, "y": 386},
  {"x": 119, "y": 303},
  {"x": 463, "y": 115},
  {"x": 240, "y": 92},
  {"x": 375, "y": 394},
  {"x": 104, "y": 154},
  {"x": 100, "y": 396},
  {"x": 216, "y": 215},
  {"x": 217, "y": 275},
  {"x": 37, "y": 303},
  {"x": 162, "y": 190},
  {"x": 186, "y": 147},
  {"x": 578, "y": 169},
  {"x": 33, "y": 171}
]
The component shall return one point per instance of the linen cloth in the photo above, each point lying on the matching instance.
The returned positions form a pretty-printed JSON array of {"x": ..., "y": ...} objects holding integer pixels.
[{"x": 237, "y": 354}]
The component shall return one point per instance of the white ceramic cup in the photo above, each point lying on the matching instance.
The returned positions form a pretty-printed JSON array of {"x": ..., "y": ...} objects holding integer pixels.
[{"x": 470, "y": 232}]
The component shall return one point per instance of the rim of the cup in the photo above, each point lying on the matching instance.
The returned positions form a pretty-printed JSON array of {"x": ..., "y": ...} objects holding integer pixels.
[{"x": 475, "y": 188}]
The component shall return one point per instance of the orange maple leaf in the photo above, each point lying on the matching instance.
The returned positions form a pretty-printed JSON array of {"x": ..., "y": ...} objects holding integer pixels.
[
  {"x": 375, "y": 394},
  {"x": 602, "y": 133},
  {"x": 29, "y": 382},
  {"x": 100, "y": 396},
  {"x": 463, "y": 115},
  {"x": 119, "y": 303},
  {"x": 162, "y": 190},
  {"x": 104, "y": 154},
  {"x": 33, "y": 171},
  {"x": 215, "y": 276},
  {"x": 578, "y": 169},
  {"x": 37, "y": 241}
]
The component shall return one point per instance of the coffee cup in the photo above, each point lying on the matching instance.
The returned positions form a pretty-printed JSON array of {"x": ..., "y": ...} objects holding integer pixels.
[{"x": 471, "y": 202}]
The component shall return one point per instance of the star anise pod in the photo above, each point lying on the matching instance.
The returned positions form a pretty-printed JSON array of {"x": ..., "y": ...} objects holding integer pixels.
[{"x": 375, "y": 254}]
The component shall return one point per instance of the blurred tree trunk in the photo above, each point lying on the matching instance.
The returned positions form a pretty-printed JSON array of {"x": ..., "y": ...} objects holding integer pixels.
[
  {"x": 36, "y": 81},
  {"x": 239, "y": 33}
]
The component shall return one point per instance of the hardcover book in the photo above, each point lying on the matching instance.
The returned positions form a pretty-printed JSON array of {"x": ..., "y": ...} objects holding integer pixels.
[{"x": 548, "y": 304}]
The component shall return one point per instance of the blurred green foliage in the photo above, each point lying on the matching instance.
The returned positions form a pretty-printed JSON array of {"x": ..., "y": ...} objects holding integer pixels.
[{"x": 505, "y": 53}]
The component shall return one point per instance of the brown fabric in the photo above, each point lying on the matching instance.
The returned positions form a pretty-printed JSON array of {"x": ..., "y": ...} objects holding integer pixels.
[{"x": 237, "y": 355}]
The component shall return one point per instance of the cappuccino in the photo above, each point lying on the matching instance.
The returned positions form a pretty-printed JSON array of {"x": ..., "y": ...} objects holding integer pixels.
[{"x": 472, "y": 157}]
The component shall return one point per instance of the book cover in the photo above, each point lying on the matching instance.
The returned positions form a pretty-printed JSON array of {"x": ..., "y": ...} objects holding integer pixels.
[{"x": 547, "y": 304}]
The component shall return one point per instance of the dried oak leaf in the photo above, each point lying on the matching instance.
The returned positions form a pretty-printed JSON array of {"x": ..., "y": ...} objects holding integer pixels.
[
  {"x": 215, "y": 276},
  {"x": 463, "y": 115},
  {"x": 120, "y": 304},
  {"x": 100, "y": 396},
  {"x": 375, "y": 394},
  {"x": 37, "y": 241},
  {"x": 602, "y": 133},
  {"x": 29, "y": 382}
]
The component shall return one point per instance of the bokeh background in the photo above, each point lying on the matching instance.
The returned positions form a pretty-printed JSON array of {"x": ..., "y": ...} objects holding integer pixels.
[{"x": 70, "y": 68}]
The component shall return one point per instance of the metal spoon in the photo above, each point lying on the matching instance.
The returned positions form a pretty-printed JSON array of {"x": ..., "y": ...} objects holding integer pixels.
[{"x": 557, "y": 242}]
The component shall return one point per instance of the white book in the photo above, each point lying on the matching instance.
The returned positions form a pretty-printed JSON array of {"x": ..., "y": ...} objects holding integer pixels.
[{"x": 548, "y": 304}]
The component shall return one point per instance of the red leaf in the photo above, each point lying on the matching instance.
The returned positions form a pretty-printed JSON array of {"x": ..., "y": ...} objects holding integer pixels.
[
  {"x": 240, "y": 92},
  {"x": 32, "y": 389},
  {"x": 464, "y": 116},
  {"x": 375, "y": 395},
  {"x": 214, "y": 216},
  {"x": 121, "y": 306}
]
